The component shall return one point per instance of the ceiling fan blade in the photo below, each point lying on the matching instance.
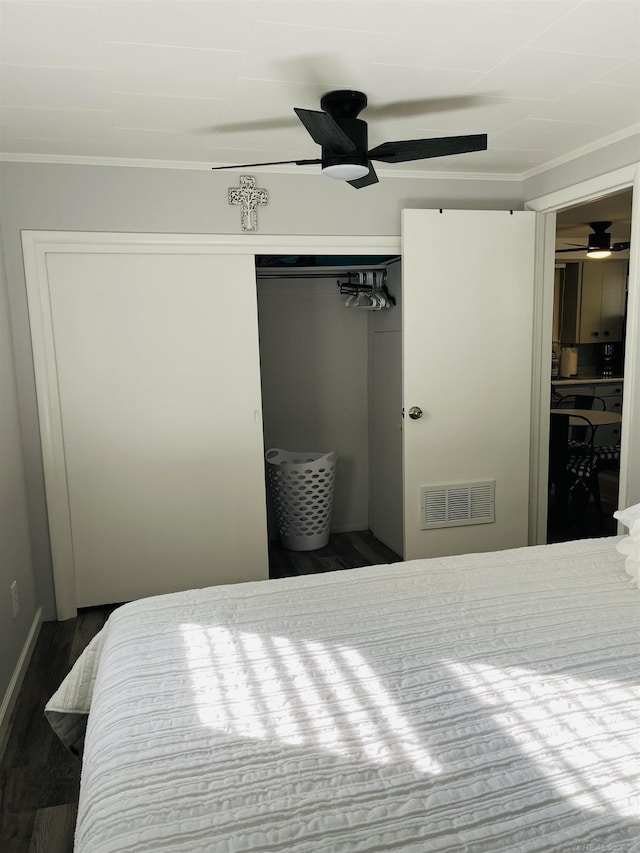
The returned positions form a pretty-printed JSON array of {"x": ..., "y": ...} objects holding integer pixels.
[
  {"x": 396, "y": 109},
  {"x": 578, "y": 249},
  {"x": 259, "y": 124},
  {"x": 620, "y": 247},
  {"x": 324, "y": 130},
  {"x": 369, "y": 179},
  {"x": 273, "y": 163},
  {"x": 424, "y": 106},
  {"x": 422, "y": 149}
]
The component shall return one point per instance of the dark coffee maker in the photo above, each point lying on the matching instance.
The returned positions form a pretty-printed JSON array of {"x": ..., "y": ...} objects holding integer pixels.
[{"x": 607, "y": 359}]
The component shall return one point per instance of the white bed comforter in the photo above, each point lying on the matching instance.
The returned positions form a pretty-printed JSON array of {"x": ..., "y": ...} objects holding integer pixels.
[{"x": 487, "y": 702}]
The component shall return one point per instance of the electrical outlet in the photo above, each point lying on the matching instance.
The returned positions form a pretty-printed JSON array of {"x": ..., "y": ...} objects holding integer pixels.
[{"x": 14, "y": 598}]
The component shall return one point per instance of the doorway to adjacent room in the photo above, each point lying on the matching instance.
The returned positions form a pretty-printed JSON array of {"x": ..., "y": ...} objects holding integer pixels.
[{"x": 589, "y": 324}]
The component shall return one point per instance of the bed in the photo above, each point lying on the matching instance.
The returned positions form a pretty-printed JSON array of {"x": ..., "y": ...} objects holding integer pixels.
[{"x": 487, "y": 702}]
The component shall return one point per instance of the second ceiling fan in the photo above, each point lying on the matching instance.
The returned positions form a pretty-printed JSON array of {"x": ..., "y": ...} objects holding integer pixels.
[
  {"x": 343, "y": 138},
  {"x": 599, "y": 243}
]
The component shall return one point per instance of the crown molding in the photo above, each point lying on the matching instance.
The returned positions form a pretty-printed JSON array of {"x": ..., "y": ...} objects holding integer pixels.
[
  {"x": 74, "y": 160},
  {"x": 585, "y": 191},
  {"x": 407, "y": 174}
]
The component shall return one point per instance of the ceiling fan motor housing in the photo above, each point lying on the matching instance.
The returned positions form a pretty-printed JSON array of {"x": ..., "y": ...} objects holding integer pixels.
[
  {"x": 599, "y": 242},
  {"x": 343, "y": 103},
  {"x": 356, "y": 130},
  {"x": 600, "y": 239}
]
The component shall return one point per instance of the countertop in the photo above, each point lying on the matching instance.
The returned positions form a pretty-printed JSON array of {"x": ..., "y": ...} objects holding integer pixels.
[{"x": 587, "y": 378}]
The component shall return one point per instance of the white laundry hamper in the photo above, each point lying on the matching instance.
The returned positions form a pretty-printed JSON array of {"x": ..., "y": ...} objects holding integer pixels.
[{"x": 302, "y": 489}]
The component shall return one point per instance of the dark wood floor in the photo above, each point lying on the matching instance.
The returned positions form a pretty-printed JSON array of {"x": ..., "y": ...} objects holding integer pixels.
[
  {"x": 344, "y": 551},
  {"x": 39, "y": 779}
]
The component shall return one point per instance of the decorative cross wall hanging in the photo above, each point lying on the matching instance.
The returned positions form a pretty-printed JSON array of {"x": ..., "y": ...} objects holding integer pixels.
[{"x": 249, "y": 197}]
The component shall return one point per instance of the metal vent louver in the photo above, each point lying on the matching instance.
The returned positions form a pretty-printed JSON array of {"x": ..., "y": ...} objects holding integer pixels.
[{"x": 455, "y": 505}]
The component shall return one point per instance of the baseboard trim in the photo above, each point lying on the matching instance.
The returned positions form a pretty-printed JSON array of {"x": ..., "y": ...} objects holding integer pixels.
[{"x": 11, "y": 696}]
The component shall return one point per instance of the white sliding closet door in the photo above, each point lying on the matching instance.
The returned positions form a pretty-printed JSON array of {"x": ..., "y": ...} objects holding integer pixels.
[
  {"x": 156, "y": 355},
  {"x": 467, "y": 363}
]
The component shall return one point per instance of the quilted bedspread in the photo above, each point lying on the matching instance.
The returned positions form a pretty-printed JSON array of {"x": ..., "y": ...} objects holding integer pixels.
[{"x": 487, "y": 702}]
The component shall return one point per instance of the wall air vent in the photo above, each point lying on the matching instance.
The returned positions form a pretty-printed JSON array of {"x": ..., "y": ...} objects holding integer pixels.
[{"x": 455, "y": 505}]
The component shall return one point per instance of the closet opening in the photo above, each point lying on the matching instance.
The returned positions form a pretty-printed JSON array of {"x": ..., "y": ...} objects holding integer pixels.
[{"x": 330, "y": 363}]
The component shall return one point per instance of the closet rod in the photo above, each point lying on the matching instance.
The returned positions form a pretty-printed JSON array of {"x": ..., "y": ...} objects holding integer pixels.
[{"x": 289, "y": 273}]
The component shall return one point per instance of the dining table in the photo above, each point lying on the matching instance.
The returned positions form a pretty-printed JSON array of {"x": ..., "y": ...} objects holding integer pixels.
[{"x": 596, "y": 417}]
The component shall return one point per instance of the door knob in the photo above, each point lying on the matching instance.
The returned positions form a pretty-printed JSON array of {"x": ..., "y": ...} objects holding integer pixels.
[{"x": 415, "y": 412}]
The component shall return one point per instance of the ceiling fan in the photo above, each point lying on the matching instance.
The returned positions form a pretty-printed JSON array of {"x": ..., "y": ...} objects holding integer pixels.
[
  {"x": 343, "y": 139},
  {"x": 599, "y": 243}
]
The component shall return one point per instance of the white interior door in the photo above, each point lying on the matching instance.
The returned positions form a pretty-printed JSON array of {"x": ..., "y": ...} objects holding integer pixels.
[
  {"x": 467, "y": 362},
  {"x": 157, "y": 366}
]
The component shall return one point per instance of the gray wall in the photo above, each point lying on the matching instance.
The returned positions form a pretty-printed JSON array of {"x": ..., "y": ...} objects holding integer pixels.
[
  {"x": 626, "y": 152},
  {"x": 106, "y": 198},
  {"x": 15, "y": 550}
]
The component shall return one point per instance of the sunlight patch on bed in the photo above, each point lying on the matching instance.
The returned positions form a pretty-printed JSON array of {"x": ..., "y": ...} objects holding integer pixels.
[
  {"x": 584, "y": 744},
  {"x": 303, "y": 693},
  {"x": 388, "y": 710}
]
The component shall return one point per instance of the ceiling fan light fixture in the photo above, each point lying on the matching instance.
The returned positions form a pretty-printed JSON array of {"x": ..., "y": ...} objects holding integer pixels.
[
  {"x": 345, "y": 169},
  {"x": 598, "y": 254}
]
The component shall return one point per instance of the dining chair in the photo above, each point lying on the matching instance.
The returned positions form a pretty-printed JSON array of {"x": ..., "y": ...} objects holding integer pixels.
[
  {"x": 608, "y": 455},
  {"x": 574, "y": 466},
  {"x": 579, "y": 401}
]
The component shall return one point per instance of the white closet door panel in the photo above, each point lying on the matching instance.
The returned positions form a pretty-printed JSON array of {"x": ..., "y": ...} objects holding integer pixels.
[
  {"x": 467, "y": 363},
  {"x": 158, "y": 373}
]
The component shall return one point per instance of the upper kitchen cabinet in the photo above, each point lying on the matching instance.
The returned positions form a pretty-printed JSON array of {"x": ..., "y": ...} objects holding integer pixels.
[{"x": 592, "y": 302}]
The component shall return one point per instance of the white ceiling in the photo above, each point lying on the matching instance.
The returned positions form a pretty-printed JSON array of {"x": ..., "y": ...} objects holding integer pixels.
[{"x": 203, "y": 83}]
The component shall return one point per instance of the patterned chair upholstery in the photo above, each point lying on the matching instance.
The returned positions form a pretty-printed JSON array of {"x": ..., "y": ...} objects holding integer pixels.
[
  {"x": 574, "y": 465},
  {"x": 582, "y": 466},
  {"x": 608, "y": 456}
]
